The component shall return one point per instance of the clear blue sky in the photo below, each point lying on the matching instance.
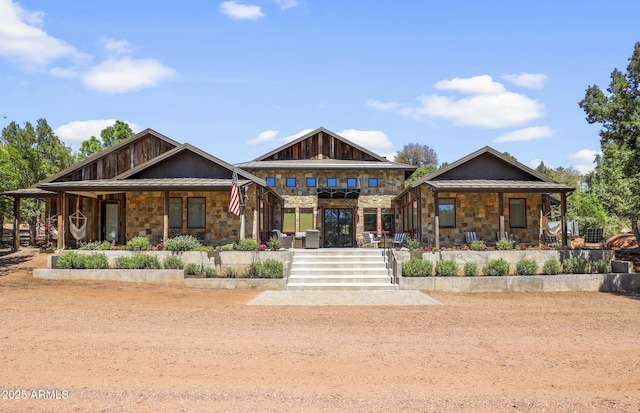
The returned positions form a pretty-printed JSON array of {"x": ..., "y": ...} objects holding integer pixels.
[{"x": 239, "y": 78}]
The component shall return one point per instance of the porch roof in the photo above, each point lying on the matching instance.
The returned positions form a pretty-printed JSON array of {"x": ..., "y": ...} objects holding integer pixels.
[
  {"x": 495, "y": 185},
  {"x": 32, "y": 192},
  {"x": 160, "y": 184}
]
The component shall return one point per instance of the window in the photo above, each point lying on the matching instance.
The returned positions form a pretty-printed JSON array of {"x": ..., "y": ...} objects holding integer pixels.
[
  {"x": 373, "y": 182},
  {"x": 371, "y": 219},
  {"x": 306, "y": 219},
  {"x": 517, "y": 213},
  {"x": 332, "y": 182},
  {"x": 195, "y": 213},
  {"x": 352, "y": 182},
  {"x": 288, "y": 220},
  {"x": 388, "y": 220},
  {"x": 291, "y": 182},
  {"x": 271, "y": 181},
  {"x": 175, "y": 212},
  {"x": 311, "y": 182},
  {"x": 447, "y": 212}
]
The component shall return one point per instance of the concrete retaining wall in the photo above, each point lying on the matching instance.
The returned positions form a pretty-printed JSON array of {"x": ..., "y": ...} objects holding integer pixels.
[
  {"x": 525, "y": 283},
  {"x": 137, "y": 276},
  {"x": 236, "y": 283}
]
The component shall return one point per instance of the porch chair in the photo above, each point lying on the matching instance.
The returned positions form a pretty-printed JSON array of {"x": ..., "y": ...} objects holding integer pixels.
[
  {"x": 550, "y": 240},
  {"x": 398, "y": 239},
  {"x": 312, "y": 239},
  {"x": 285, "y": 240},
  {"x": 594, "y": 236},
  {"x": 470, "y": 236},
  {"x": 506, "y": 236},
  {"x": 370, "y": 239}
]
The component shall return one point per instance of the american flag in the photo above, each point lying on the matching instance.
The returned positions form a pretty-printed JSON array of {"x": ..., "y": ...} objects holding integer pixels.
[{"x": 234, "y": 204}]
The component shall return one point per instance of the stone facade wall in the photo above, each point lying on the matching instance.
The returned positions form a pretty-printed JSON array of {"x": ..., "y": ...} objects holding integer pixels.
[
  {"x": 390, "y": 183},
  {"x": 145, "y": 217},
  {"x": 479, "y": 212}
]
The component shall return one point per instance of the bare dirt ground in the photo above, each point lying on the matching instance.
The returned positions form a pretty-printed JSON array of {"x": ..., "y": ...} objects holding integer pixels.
[{"x": 111, "y": 347}]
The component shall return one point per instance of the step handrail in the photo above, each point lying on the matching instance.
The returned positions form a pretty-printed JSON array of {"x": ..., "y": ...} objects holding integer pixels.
[{"x": 390, "y": 260}]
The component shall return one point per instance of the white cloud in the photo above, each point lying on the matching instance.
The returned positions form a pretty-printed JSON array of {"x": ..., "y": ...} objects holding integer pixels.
[
  {"x": 584, "y": 160},
  {"x": 526, "y": 134},
  {"x": 528, "y": 80},
  {"x": 376, "y": 104},
  {"x": 370, "y": 139},
  {"x": 296, "y": 135},
  {"x": 477, "y": 85},
  {"x": 73, "y": 133},
  {"x": 116, "y": 47},
  {"x": 286, "y": 4},
  {"x": 534, "y": 163},
  {"x": 241, "y": 11},
  {"x": 126, "y": 75},
  {"x": 63, "y": 72},
  {"x": 265, "y": 136},
  {"x": 22, "y": 37}
]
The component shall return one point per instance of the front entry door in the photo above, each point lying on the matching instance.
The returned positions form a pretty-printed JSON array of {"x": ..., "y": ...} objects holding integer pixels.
[
  {"x": 109, "y": 222},
  {"x": 338, "y": 227}
]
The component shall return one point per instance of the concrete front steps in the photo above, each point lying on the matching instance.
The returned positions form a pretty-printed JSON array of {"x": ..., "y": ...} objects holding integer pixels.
[{"x": 339, "y": 269}]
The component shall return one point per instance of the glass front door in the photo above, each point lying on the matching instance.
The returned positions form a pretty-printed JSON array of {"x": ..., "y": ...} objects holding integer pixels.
[
  {"x": 110, "y": 221},
  {"x": 338, "y": 227}
]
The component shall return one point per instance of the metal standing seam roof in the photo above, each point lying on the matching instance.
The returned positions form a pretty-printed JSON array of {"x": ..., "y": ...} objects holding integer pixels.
[
  {"x": 160, "y": 184},
  {"x": 490, "y": 185},
  {"x": 32, "y": 192},
  {"x": 324, "y": 164}
]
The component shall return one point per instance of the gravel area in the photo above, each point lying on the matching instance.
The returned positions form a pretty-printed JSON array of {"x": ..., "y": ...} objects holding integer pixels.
[{"x": 112, "y": 347}]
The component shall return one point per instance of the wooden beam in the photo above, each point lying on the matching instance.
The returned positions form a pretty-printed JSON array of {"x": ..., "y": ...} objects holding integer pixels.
[
  {"x": 165, "y": 218},
  {"x": 436, "y": 220},
  {"x": 501, "y": 211},
  {"x": 563, "y": 208},
  {"x": 61, "y": 216},
  {"x": 16, "y": 222}
]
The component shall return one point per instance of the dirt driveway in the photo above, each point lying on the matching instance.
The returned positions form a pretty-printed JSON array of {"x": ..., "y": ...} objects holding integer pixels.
[{"x": 111, "y": 347}]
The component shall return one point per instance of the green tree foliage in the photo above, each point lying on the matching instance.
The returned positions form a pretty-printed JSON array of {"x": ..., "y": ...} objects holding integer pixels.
[
  {"x": 29, "y": 155},
  {"x": 617, "y": 174},
  {"x": 110, "y": 135},
  {"x": 419, "y": 173},
  {"x": 417, "y": 154}
]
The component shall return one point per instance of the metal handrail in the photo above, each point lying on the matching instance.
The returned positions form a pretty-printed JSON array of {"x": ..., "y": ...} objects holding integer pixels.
[{"x": 390, "y": 260}]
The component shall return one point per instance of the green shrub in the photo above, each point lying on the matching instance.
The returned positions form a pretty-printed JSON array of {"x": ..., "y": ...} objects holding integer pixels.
[
  {"x": 552, "y": 267},
  {"x": 182, "y": 243},
  {"x": 446, "y": 268},
  {"x": 412, "y": 244},
  {"x": 139, "y": 244},
  {"x": 246, "y": 244},
  {"x": 416, "y": 267},
  {"x": 600, "y": 267},
  {"x": 227, "y": 247},
  {"x": 496, "y": 267},
  {"x": 274, "y": 244},
  {"x": 230, "y": 272},
  {"x": 96, "y": 245},
  {"x": 138, "y": 262},
  {"x": 504, "y": 244},
  {"x": 526, "y": 267},
  {"x": 272, "y": 268},
  {"x": 253, "y": 270},
  {"x": 173, "y": 263},
  {"x": 210, "y": 272},
  {"x": 193, "y": 269},
  {"x": 73, "y": 260},
  {"x": 471, "y": 269},
  {"x": 568, "y": 265},
  {"x": 477, "y": 245}
]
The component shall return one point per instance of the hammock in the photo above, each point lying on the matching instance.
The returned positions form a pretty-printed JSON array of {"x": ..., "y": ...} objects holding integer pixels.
[
  {"x": 553, "y": 228},
  {"x": 78, "y": 228}
]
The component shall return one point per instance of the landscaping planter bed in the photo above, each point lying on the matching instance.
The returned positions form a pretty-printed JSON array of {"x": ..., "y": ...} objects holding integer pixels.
[
  {"x": 175, "y": 277},
  {"x": 237, "y": 283}
]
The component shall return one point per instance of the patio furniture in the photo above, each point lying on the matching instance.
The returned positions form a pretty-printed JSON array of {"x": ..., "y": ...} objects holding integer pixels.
[
  {"x": 370, "y": 239},
  {"x": 550, "y": 240},
  {"x": 285, "y": 240},
  {"x": 312, "y": 239},
  {"x": 399, "y": 239},
  {"x": 594, "y": 236},
  {"x": 470, "y": 236}
]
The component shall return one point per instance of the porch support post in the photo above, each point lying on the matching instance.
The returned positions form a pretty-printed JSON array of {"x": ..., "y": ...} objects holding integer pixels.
[
  {"x": 436, "y": 220},
  {"x": 242, "y": 224},
  {"x": 501, "y": 209},
  {"x": 16, "y": 222},
  {"x": 61, "y": 215},
  {"x": 563, "y": 208},
  {"x": 165, "y": 216}
]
